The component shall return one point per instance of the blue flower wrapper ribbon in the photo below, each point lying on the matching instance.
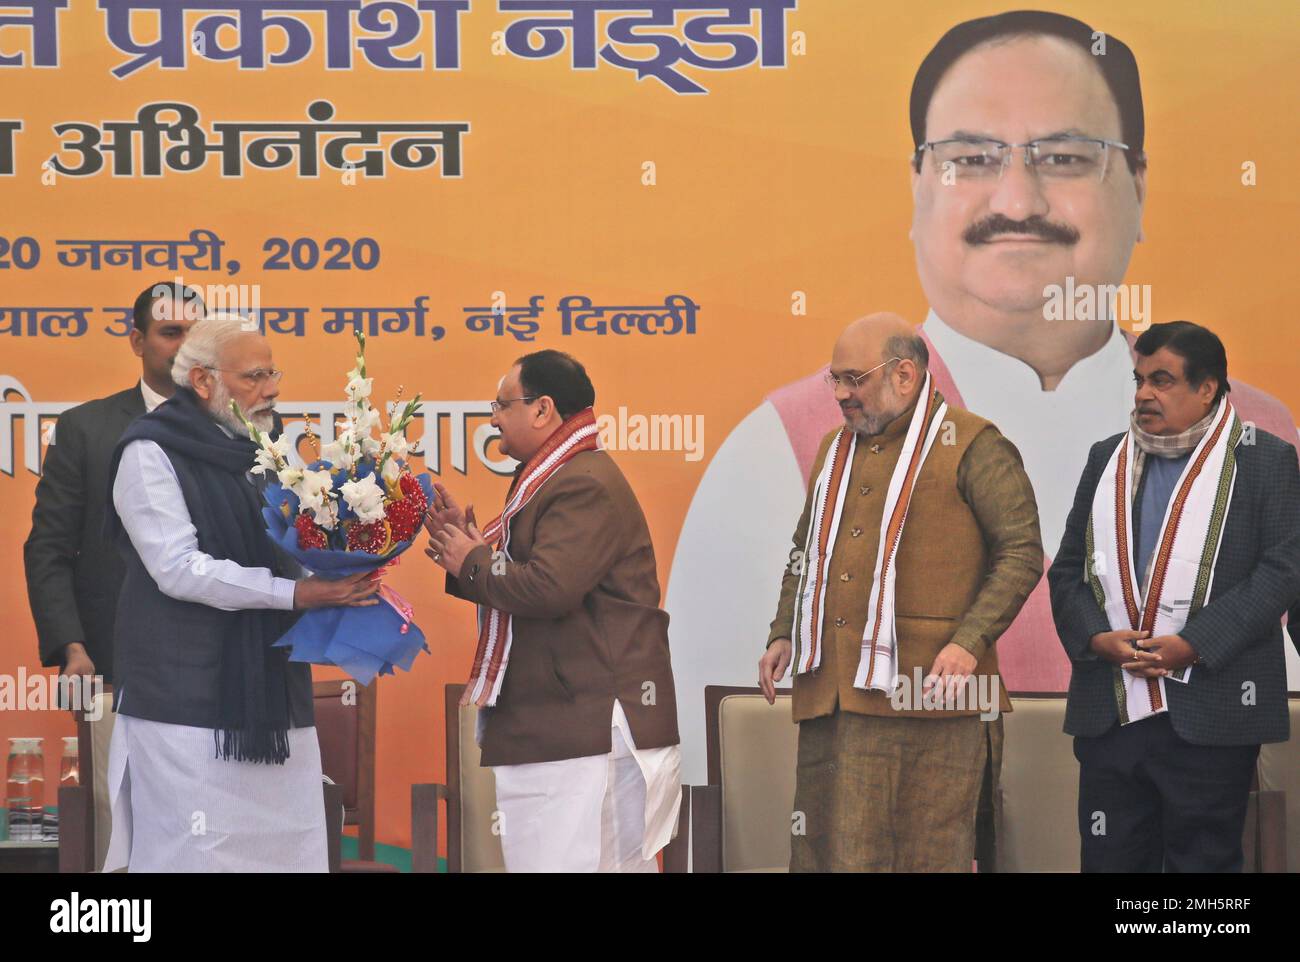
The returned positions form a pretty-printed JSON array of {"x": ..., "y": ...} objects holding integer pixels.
[{"x": 363, "y": 641}]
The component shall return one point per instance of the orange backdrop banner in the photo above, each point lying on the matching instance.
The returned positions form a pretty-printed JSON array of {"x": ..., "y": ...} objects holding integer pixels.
[{"x": 693, "y": 198}]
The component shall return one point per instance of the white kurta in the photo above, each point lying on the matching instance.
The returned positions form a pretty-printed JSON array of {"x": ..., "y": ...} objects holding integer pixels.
[
  {"x": 176, "y": 806},
  {"x": 598, "y": 813}
]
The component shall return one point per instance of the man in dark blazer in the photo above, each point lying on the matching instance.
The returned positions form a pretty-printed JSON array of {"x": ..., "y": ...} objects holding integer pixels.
[
  {"x": 1169, "y": 790},
  {"x": 73, "y": 572}
]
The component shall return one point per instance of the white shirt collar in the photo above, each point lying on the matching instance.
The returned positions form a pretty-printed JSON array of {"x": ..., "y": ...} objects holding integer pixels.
[
  {"x": 1053, "y": 430},
  {"x": 1005, "y": 374},
  {"x": 151, "y": 397}
]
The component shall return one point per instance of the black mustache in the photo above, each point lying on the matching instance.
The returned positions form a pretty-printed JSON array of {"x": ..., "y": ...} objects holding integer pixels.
[{"x": 992, "y": 226}]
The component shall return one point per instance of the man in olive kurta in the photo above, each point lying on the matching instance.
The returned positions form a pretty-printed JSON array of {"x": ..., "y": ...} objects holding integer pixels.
[{"x": 891, "y": 781}]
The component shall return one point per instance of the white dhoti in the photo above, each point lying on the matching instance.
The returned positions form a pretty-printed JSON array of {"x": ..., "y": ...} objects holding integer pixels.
[
  {"x": 178, "y": 808},
  {"x": 599, "y": 813}
]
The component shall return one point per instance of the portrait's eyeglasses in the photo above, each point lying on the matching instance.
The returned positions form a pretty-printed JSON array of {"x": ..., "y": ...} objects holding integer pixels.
[
  {"x": 1056, "y": 158},
  {"x": 850, "y": 382},
  {"x": 258, "y": 376},
  {"x": 502, "y": 405}
]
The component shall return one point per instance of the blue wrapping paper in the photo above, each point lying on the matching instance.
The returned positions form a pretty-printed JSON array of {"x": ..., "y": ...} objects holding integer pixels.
[{"x": 363, "y": 641}]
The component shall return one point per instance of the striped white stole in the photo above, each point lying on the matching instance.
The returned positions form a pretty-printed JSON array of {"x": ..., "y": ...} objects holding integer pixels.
[
  {"x": 877, "y": 664},
  {"x": 578, "y": 433},
  {"x": 1182, "y": 567}
]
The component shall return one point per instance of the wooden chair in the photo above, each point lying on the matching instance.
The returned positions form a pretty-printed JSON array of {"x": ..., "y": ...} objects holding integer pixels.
[
  {"x": 345, "y": 726},
  {"x": 1278, "y": 774},
  {"x": 470, "y": 799},
  {"x": 85, "y": 814}
]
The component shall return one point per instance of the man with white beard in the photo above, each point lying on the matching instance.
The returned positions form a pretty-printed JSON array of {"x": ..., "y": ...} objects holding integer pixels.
[{"x": 214, "y": 764}]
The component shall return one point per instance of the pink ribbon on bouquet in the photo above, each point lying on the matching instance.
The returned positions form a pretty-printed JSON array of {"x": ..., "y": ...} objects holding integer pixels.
[{"x": 396, "y": 601}]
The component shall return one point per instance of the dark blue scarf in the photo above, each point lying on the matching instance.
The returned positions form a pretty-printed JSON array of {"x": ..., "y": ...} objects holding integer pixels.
[{"x": 226, "y": 512}]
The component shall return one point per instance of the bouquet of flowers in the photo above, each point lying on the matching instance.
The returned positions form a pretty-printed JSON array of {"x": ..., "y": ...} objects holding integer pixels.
[{"x": 356, "y": 508}]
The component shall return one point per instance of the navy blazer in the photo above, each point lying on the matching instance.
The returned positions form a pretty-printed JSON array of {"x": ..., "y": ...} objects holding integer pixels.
[{"x": 1238, "y": 695}]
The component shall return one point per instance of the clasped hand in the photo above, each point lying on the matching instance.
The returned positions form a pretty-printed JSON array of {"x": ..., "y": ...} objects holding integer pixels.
[{"x": 453, "y": 531}]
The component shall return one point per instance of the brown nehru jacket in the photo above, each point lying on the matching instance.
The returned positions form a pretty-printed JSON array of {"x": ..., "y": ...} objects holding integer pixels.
[
  {"x": 970, "y": 555},
  {"x": 583, "y": 593}
]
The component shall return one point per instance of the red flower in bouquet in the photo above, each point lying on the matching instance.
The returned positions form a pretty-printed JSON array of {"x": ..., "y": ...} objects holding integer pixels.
[
  {"x": 310, "y": 534},
  {"x": 405, "y": 511},
  {"x": 374, "y": 537}
]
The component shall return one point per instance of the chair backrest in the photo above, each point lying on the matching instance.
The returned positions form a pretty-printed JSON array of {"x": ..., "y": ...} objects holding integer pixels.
[
  {"x": 1279, "y": 769},
  {"x": 753, "y": 750},
  {"x": 472, "y": 845},
  {"x": 1037, "y": 808},
  {"x": 345, "y": 727},
  {"x": 93, "y": 739}
]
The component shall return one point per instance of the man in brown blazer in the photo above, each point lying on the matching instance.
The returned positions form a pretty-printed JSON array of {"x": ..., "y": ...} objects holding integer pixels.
[
  {"x": 918, "y": 544},
  {"x": 572, "y": 674}
]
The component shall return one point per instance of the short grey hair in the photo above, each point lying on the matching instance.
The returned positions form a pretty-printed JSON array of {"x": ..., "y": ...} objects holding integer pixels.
[
  {"x": 205, "y": 342},
  {"x": 910, "y": 347}
]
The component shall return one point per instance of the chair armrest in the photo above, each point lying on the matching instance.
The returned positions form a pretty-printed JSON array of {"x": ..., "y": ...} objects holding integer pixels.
[
  {"x": 424, "y": 826},
  {"x": 333, "y": 823},
  {"x": 1271, "y": 815},
  {"x": 677, "y": 851},
  {"x": 76, "y": 838},
  {"x": 706, "y": 828}
]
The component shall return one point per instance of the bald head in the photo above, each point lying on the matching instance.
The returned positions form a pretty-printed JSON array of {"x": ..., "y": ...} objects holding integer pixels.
[
  {"x": 888, "y": 359},
  {"x": 876, "y": 339}
]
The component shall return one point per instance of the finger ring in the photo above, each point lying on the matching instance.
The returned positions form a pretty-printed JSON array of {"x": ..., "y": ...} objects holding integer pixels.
[{"x": 437, "y": 555}]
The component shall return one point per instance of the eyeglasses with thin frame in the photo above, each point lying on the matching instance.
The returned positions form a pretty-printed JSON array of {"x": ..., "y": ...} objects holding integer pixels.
[
  {"x": 257, "y": 375},
  {"x": 1052, "y": 158},
  {"x": 850, "y": 382},
  {"x": 498, "y": 406}
]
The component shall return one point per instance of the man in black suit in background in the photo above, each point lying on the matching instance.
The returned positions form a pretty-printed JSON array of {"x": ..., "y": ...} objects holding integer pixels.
[{"x": 73, "y": 572}]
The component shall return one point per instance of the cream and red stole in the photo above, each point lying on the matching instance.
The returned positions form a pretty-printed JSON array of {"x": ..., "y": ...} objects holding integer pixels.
[
  {"x": 577, "y": 434},
  {"x": 1182, "y": 565},
  {"x": 877, "y": 665}
]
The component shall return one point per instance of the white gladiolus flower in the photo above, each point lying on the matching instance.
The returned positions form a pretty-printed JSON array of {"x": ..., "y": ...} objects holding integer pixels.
[
  {"x": 397, "y": 443},
  {"x": 326, "y": 515},
  {"x": 269, "y": 454},
  {"x": 339, "y": 452},
  {"x": 313, "y": 489},
  {"x": 391, "y": 470},
  {"x": 290, "y": 477},
  {"x": 365, "y": 497},
  {"x": 359, "y": 387},
  {"x": 366, "y": 422},
  {"x": 370, "y": 447}
]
